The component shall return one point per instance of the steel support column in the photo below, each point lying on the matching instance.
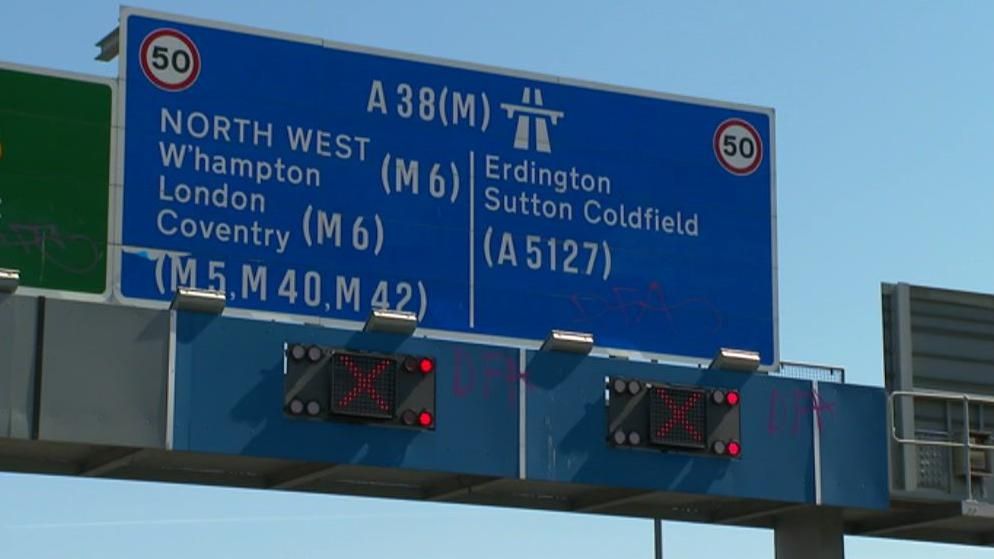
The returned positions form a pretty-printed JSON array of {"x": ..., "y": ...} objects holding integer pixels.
[{"x": 814, "y": 533}]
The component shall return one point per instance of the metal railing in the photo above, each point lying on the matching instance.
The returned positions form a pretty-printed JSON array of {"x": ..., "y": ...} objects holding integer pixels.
[
  {"x": 966, "y": 444},
  {"x": 810, "y": 371}
]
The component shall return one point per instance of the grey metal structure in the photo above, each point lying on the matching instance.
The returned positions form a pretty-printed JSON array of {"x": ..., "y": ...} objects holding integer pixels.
[
  {"x": 18, "y": 332},
  {"x": 939, "y": 374},
  {"x": 132, "y": 363},
  {"x": 86, "y": 388}
]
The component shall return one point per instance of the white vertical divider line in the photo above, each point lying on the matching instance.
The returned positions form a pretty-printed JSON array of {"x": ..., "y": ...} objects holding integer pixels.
[
  {"x": 171, "y": 381},
  {"x": 472, "y": 240},
  {"x": 816, "y": 439},
  {"x": 522, "y": 416}
]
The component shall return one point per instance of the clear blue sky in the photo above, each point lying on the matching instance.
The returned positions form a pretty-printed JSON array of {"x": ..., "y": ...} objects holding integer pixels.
[{"x": 885, "y": 141}]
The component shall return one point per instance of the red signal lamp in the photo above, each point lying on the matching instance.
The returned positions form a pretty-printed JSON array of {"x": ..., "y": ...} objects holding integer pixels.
[
  {"x": 425, "y": 419},
  {"x": 733, "y": 448},
  {"x": 426, "y": 365},
  {"x": 732, "y": 398}
]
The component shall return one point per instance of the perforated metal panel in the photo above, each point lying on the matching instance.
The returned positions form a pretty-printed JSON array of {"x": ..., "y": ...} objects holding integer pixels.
[
  {"x": 809, "y": 371},
  {"x": 933, "y": 461}
]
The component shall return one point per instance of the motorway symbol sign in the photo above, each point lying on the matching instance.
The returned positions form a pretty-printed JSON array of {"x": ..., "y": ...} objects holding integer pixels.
[
  {"x": 489, "y": 202},
  {"x": 55, "y": 144}
]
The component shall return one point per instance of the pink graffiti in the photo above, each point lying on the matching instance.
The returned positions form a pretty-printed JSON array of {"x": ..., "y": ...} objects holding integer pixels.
[
  {"x": 486, "y": 374},
  {"x": 789, "y": 409}
]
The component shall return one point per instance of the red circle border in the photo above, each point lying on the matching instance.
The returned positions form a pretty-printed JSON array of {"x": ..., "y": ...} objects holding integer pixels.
[
  {"x": 143, "y": 51},
  {"x": 759, "y": 144}
]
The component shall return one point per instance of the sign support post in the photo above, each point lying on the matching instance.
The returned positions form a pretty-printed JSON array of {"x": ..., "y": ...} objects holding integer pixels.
[{"x": 815, "y": 533}]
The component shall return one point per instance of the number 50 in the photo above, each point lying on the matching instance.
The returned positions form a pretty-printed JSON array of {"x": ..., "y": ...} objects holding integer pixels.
[
  {"x": 733, "y": 146},
  {"x": 179, "y": 61}
]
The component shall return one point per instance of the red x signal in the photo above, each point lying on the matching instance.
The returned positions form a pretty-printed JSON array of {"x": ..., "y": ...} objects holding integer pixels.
[
  {"x": 365, "y": 383},
  {"x": 678, "y": 414}
]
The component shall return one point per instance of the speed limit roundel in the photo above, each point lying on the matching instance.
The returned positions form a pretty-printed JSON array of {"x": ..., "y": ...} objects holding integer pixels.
[
  {"x": 738, "y": 147},
  {"x": 169, "y": 59}
]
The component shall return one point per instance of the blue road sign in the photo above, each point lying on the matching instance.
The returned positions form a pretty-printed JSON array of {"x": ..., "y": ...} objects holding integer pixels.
[{"x": 310, "y": 178}]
